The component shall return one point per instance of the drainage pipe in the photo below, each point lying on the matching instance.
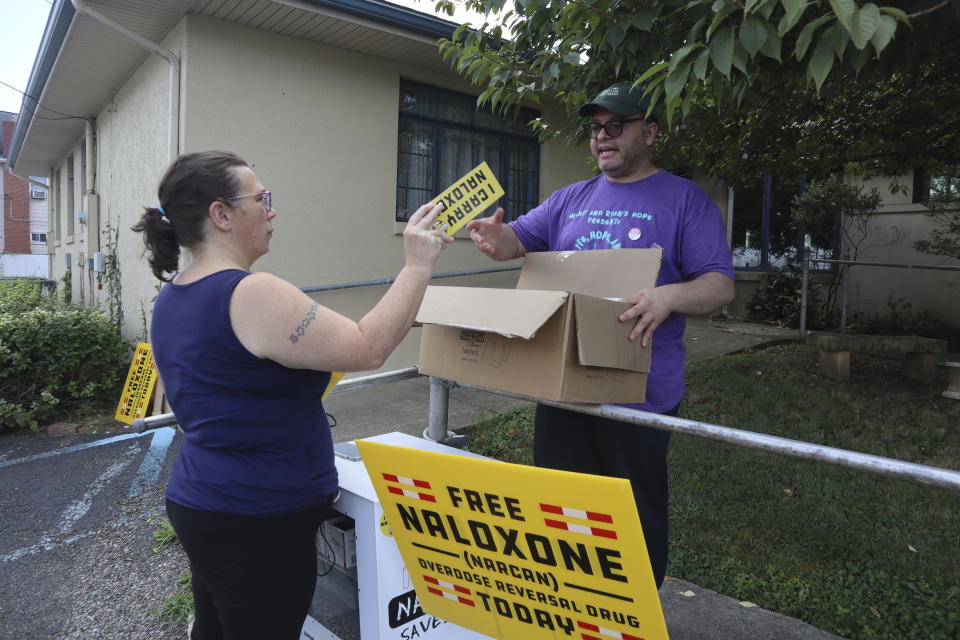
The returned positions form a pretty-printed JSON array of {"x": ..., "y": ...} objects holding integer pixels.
[{"x": 173, "y": 113}]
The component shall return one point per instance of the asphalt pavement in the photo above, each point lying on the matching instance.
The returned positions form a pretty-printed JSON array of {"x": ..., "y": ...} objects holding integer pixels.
[{"x": 78, "y": 559}]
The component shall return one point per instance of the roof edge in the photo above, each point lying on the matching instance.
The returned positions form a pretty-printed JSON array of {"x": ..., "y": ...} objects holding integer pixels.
[
  {"x": 392, "y": 15},
  {"x": 54, "y": 34}
]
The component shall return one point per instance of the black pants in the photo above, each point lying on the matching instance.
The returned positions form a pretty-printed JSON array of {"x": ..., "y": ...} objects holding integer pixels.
[
  {"x": 253, "y": 578},
  {"x": 573, "y": 441}
]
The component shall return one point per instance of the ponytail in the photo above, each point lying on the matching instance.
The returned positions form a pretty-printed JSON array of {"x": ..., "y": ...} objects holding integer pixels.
[
  {"x": 192, "y": 182},
  {"x": 160, "y": 240}
]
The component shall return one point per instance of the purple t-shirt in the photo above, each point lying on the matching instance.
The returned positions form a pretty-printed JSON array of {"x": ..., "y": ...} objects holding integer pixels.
[{"x": 661, "y": 211}]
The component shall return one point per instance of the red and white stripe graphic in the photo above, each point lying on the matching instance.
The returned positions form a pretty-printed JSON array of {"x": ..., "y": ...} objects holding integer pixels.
[
  {"x": 605, "y": 633},
  {"x": 410, "y": 482},
  {"x": 449, "y": 586},
  {"x": 590, "y": 516}
]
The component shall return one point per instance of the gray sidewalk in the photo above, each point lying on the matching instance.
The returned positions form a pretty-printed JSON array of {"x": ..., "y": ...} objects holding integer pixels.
[{"x": 692, "y": 613}]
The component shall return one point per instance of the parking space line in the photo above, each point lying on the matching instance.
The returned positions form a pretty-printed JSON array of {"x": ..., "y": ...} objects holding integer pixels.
[{"x": 76, "y": 510}]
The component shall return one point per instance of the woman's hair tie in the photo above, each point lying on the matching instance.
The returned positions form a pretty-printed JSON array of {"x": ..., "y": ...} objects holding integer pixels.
[{"x": 162, "y": 211}]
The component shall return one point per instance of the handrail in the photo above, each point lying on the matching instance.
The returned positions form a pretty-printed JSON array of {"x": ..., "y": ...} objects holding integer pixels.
[
  {"x": 878, "y": 465},
  {"x": 168, "y": 419},
  {"x": 919, "y": 473},
  {"x": 371, "y": 283},
  {"x": 887, "y": 264}
]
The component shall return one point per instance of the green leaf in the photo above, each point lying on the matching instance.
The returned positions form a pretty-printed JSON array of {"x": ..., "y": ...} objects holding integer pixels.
[
  {"x": 794, "y": 9},
  {"x": 822, "y": 60},
  {"x": 718, "y": 19},
  {"x": 615, "y": 36},
  {"x": 657, "y": 68},
  {"x": 676, "y": 81},
  {"x": 846, "y": 11},
  {"x": 899, "y": 14},
  {"x": 806, "y": 36},
  {"x": 865, "y": 25},
  {"x": 771, "y": 48},
  {"x": 766, "y": 8},
  {"x": 740, "y": 58},
  {"x": 680, "y": 55},
  {"x": 700, "y": 65},
  {"x": 886, "y": 29},
  {"x": 840, "y": 39},
  {"x": 753, "y": 35},
  {"x": 857, "y": 58},
  {"x": 750, "y": 5},
  {"x": 694, "y": 33},
  {"x": 721, "y": 50},
  {"x": 643, "y": 19}
]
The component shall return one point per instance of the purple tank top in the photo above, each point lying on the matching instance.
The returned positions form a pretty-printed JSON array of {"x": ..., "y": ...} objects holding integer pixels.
[{"x": 255, "y": 436}]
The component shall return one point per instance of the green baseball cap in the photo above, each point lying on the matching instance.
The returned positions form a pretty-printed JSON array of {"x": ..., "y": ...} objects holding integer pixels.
[{"x": 622, "y": 99}]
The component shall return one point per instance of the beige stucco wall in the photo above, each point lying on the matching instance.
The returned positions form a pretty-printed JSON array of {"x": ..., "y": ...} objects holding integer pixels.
[
  {"x": 320, "y": 126},
  {"x": 891, "y": 236}
]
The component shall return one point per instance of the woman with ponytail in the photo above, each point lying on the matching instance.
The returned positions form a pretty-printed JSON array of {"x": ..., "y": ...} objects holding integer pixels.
[{"x": 244, "y": 358}]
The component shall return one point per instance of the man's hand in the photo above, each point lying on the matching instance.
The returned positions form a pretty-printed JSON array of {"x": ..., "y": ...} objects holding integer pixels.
[
  {"x": 494, "y": 238},
  {"x": 650, "y": 307}
]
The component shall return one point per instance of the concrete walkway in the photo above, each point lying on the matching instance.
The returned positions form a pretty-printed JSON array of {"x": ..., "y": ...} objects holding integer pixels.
[{"x": 692, "y": 613}]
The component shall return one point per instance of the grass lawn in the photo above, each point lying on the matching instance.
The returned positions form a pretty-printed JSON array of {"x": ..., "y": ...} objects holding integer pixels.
[{"x": 855, "y": 554}]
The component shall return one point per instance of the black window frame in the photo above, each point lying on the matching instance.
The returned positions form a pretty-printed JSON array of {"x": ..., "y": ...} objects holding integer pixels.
[{"x": 514, "y": 205}]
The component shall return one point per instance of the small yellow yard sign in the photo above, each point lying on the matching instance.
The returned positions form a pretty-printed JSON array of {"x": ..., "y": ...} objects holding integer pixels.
[{"x": 138, "y": 388}]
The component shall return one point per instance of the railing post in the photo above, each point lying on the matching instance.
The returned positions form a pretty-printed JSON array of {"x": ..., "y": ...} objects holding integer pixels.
[
  {"x": 803, "y": 287},
  {"x": 438, "y": 417}
]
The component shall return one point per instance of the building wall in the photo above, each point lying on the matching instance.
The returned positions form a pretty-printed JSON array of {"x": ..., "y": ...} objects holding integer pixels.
[
  {"x": 891, "y": 234},
  {"x": 320, "y": 127},
  {"x": 15, "y": 201},
  {"x": 130, "y": 152}
]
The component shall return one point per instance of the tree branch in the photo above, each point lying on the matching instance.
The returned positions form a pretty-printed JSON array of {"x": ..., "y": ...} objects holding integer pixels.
[{"x": 930, "y": 10}]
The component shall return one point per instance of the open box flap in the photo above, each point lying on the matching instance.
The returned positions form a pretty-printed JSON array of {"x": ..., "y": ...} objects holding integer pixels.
[
  {"x": 508, "y": 312},
  {"x": 605, "y": 273},
  {"x": 602, "y": 339}
]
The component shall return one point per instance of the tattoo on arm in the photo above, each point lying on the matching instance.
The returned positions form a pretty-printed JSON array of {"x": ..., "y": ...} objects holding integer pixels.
[{"x": 299, "y": 331}]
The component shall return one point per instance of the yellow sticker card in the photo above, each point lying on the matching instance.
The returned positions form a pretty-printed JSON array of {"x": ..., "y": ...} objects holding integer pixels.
[
  {"x": 138, "y": 388},
  {"x": 517, "y": 552},
  {"x": 466, "y": 198}
]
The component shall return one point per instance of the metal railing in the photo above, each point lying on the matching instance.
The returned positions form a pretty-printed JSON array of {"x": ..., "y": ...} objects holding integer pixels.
[
  {"x": 437, "y": 431},
  {"x": 438, "y": 417},
  {"x": 844, "y": 278}
]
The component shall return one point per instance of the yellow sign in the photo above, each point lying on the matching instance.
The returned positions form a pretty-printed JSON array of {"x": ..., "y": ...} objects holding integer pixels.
[
  {"x": 516, "y": 552},
  {"x": 138, "y": 388},
  {"x": 335, "y": 377},
  {"x": 466, "y": 198}
]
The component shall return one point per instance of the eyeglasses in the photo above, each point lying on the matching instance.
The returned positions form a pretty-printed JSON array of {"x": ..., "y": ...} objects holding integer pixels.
[
  {"x": 613, "y": 128},
  {"x": 266, "y": 200}
]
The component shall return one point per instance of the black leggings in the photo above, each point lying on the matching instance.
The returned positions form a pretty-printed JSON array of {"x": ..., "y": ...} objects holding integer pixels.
[
  {"x": 253, "y": 578},
  {"x": 574, "y": 441}
]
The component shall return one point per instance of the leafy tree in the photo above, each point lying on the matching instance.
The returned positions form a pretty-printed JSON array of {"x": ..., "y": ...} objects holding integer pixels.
[{"x": 776, "y": 85}]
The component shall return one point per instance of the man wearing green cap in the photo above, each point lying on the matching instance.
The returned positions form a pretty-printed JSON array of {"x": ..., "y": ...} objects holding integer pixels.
[{"x": 632, "y": 204}]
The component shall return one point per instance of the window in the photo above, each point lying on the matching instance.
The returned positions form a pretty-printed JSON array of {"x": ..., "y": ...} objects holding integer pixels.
[
  {"x": 39, "y": 238},
  {"x": 944, "y": 186},
  {"x": 764, "y": 235},
  {"x": 38, "y": 193},
  {"x": 443, "y": 135}
]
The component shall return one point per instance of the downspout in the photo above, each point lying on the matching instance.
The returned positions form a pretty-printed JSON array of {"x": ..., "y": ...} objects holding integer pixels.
[{"x": 174, "y": 108}]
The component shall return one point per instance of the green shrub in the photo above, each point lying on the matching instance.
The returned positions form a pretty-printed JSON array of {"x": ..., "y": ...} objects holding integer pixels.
[
  {"x": 901, "y": 320},
  {"x": 778, "y": 300},
  {"x": 55, "y": 359},
  {"x": 18, "y": 296}
]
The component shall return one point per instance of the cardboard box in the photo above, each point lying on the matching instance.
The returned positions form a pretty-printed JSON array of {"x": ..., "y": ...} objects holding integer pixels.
[
  {"x": 555, "y": 337},
  {"x": 338, "y": 541}
]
